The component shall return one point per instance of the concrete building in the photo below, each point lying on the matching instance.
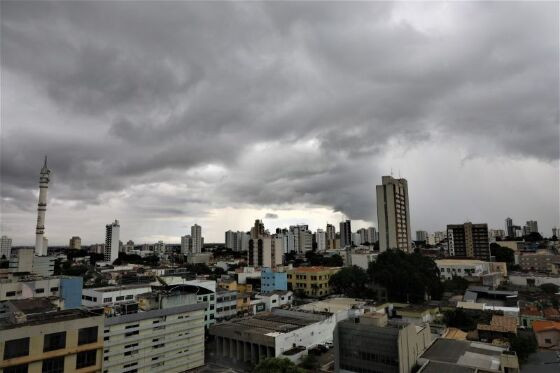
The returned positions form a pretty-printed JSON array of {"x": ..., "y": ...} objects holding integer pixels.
[
  {"x": 5, "y": 247},
  {"x": 41, "y": 242},
  {"x": 25, "y": 260},
  {"x": 112, "y": 295},
  {"x": 321, "y": 239},
  {"x": 159, "y": 340},
  {"x": 532, "y": 226},
  {"x": 75, "y": 243},
  {"x": 422, "y": 236},
  {"x": 361, "y": 258},
  {"x": 547, "y": 333},
  {"x": 277, "y": 298},
  {"x": 265, "y": 252},
  {"x": 279, "y": 333},
  {"x": 67, "y": 288},
  {"x": 237, "y": 241},
  {"x": 357, "y": 239},
  {"x": 468, "y": 241},
  {"x": 197, "y": 239},
  {"x": 186, "y": 245},
  {"x": 509, "y": 227},
  {"x": 371, "y": 343},
  {"x": 451, "y": 355},
  {"x": 258, "y": 229},
  {"x": 112, "y": 240},
  {"x": 226, "y": 304},
  {"x": 37, "y": 337},
  {"x": 312, "y": 281},
  {"x": 273, "y": 280},
  {"x": 540, "y": 261},
  {"x": 393, "y": 215},
  {"x": 449, "y": 268},
  {"x": 345, "y": 233}
]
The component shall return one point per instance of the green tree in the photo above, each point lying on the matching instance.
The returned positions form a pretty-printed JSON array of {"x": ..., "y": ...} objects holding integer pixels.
[
  {"x": 407, "y": 277},
  {"x": 523, "y": 345},
  {"x": 502, "y": 254},
  {"x": 277, "y": 365},
  {"x": 350, "y": 281},
  {"x": 456, "y": 285},
  {"x": 310, "y": 362},
  {"x": 549, "y": 288}
]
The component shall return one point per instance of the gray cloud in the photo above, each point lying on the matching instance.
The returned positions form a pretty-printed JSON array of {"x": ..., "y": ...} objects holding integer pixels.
[
  {"x": 140, "y": 93},
  {"x": 270, "y": 215}
]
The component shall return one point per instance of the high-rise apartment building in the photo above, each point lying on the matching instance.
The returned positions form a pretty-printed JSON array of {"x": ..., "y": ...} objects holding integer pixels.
[
  {"x": 5, "y": 247},
  {"x": 393, "y": 215},
  {"x": 509, "y": 227},
  {"x": 422, "y": 236},
  {"x": 258, "y": 229},
  {"x": 186, "y": 244},
  {"x": 371, "y": 235},
  {"x": 197, "y": 240},
  {"x": 265, "y": 252},
  {"x": 41, "y": 242},
  {"x": 237, "y": 241},
  {"x": 532, "y": 226},
  {"x": 321, "y": 240},
  {"x": 345, "y": 233},
  {"x": 112, "y": 237},
  {"x": 75, "y": 243},
  {"x": 468, "y": 240}
]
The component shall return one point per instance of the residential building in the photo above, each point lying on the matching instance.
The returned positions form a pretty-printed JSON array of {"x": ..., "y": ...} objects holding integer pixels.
[
  {"x": 197, "y": 239},
  {"x": 112, "y": 295},
  {"x": 258, "y": 229},
  {"x": 357, "y": 239},
  {"x": 540, "y": 261},
  {"x": 159, "y": 340},
  {"x": 528, "y": 315},
  {"x": 500, "y": 327},
  {"x": 75, "y": 243},
  {"x": 393, "y": 214},
  {"x": 468, "y": 240},
  {"x": 226, "y": 304},
  {"x": 449, "y": 268},
  {"x": 371, "y": 236},
  {"x": 510, "y": 228},
  {"x": 279, "y": 333},
  {"x": 186, "y": 245},
  {"x": 452, "y": 355},
  {"x": 273, "y": 280},
  {"x": 129, "y": 247},
  {"x": 112, "y": 237},
  {"x": 372, "y": 343},
  {"x": 312, "y": 281},
  {"x": 331, "y": 232},
  {"x": 237, "y": 241},
  {"x": 38, "y": 337},
  {"x": 263, "y": 252},
  {"x": 5, "y": 247},
  {"x": 321, "y": 239},
  {"x": 67, "y": 288},
  {"x": 422, "y": 236},
  {"x": 277, "y": 298},
  {"x": 361, "y": 258},
  {"x": 547, "y": 333},
  {"x": 345, "y": 233},
  {"x": 41, "y": 242},
  {"x": 206, "y": 293},
  {"x": 532, "y": 226}
]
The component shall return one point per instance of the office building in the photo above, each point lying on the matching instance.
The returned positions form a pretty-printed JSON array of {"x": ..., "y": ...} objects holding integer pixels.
[
  {"x": 272, "y": 334},
  {"x": 393, "y": 215},
  {"x": 372, "y": 343},
  {"x": 38, "y": 337},
  {"x": 422, "y": 236},
  {"x": 197, "y": 239},
  {"x": 75, "y": 243},
  {"x": 168, "y": 339},
  {"x": 468, "y": 241},
  {"x": 321, "y": 240},
  {"x": 5, "y": 247},
  {"x": 312, "y": 281},
  {"x": 112, "y": 237},
  {"x": 345, "y": 233},
  {"x": 41, "y": 242}
]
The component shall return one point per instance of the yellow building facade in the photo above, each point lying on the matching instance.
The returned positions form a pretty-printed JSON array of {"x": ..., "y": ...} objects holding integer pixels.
[{"x": 312, "y": 281}]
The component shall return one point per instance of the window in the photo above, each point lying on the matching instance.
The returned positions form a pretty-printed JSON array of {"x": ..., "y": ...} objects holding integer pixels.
[
  {"x": 54, "y": 365},
  {"x": 130, "y": 296},
  {"x": 85, "y": 358},
  {"x": 54, "y": 289},
  {"x": 87, "y": 335},
  {"x": 54, "y": 341},
  {"x": 131, "y": 345},
  {"x": 547, "y": 341},
  {"x": 22, "y": 368},
  {"x": 118, "y": 299},
  {"x": 10, "y": 293},
  {"x": 16, "y": 348},
  {"x": 132, "y": 326},
  {"x": 39, "y": 291},
  {"x": 107, "y": 300},
  {"x": 130, "y": 334}
]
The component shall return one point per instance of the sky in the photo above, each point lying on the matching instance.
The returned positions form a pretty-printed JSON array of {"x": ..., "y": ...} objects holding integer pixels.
[{"x": 166, "y": 114}]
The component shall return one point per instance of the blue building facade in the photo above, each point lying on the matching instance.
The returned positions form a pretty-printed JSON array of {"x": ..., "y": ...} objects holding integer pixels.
[
  {"x": 271, "y": 281},
  {"x": 71, "y": 291}
]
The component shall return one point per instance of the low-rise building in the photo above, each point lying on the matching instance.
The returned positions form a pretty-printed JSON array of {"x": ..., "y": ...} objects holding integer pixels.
[
  {"x": 37, "y": 337},
  {"x": 226, "y": 304},
  {"x": 541, "y": 261},
  {"x": 67, "y": 288},
  {"x": 529, "y": 314},
  {"x": 361, "y": 258},
  {"x": 500, "y": 327},
  {"x": 273, "y": 280},
  {"x": 448, "y": 268},
  {"x": 111, "y": 295},
  {"x": 166, "y": 340},
  {"x": 372, "y": 343},
  {"x": 547, "y": 333},
  {"x": 311, "y": 281},
  {"x": 275, "y": 299}
]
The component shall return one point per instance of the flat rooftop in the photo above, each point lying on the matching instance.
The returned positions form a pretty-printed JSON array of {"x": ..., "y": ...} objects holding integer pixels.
[
  {"x": 465, "y": 353},
  {"x": 109, "y": 289},
  {"x": 459, "y": 261}
]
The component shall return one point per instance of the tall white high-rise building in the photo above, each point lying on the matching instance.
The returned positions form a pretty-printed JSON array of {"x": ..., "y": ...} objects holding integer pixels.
[
  {"x": 197, "y": 240},
  {"x": 393, "y": 215},
  {"x": 112, "y": 237},
  {"x": 422, "y": 236},
  {"x": 41, "y": 242},
  {"x": 321, "y": 239},
  {"x": 186, "y": 244},
  {"x": 5, "y": 247},
  {"x": 231, "y": 240},
  {"x": 371, "y": 235}
]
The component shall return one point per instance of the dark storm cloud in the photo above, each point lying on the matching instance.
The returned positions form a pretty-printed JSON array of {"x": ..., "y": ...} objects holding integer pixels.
[
  {"x": 153, "y": 90},
  {"x": 270, "y": 215}
]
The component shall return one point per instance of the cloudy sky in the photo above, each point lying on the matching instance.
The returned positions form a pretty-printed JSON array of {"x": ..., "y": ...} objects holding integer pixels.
[{"x": 166, "y": 114}]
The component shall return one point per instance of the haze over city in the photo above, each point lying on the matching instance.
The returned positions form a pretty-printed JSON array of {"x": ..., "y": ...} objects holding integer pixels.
[{"x": 163, "y": 115}]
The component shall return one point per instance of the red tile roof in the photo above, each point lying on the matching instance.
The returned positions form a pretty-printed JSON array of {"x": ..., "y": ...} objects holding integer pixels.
[{"x": 545, "y": 325}]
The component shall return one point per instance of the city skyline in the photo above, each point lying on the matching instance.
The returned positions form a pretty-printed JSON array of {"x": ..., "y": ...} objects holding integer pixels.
[{"x": 277, "y": 119}]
